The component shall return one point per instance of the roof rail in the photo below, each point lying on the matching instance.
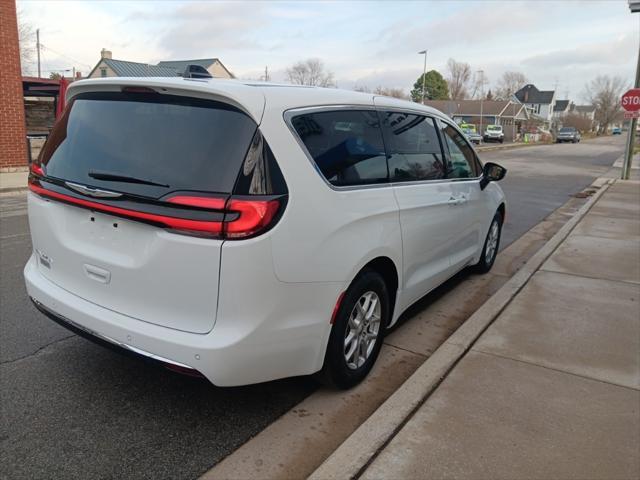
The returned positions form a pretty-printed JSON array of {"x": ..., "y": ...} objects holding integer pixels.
[{"x": 196, "y": 71}]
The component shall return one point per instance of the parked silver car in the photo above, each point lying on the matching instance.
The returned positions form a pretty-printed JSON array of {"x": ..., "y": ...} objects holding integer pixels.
[{"x": 568, "y": 134}]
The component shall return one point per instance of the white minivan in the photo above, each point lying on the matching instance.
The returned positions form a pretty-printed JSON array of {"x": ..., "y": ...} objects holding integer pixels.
[{"x": 247, "y": 232}]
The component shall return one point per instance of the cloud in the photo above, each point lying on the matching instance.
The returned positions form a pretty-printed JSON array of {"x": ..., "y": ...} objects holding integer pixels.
[
  {"x": 611, "y": 53},
  {"x": 200, "y": 28}
]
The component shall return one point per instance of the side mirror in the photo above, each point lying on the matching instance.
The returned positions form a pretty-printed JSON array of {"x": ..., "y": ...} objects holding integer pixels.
[{"x": 492, "y": 172}]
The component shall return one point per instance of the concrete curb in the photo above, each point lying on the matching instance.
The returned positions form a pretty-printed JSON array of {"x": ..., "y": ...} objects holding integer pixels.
[{"x": 363, "y": 445}]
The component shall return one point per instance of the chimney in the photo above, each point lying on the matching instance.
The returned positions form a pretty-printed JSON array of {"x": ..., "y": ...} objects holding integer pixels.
[
  {"x": 104, "y": 53},
  {"x": 78, "y": 75}
]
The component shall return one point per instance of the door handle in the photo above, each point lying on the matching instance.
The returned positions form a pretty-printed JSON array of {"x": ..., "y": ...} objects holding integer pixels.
[{"x": 456, "y": 201}]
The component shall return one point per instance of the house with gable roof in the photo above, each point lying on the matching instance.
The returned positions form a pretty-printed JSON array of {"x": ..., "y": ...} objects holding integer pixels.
[
  {"x": 540, "y": 103},
  {"x": 107, "y": 66}
]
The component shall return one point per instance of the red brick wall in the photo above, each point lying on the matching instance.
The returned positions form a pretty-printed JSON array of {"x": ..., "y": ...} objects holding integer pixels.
[{"x": 13, "y": 134}]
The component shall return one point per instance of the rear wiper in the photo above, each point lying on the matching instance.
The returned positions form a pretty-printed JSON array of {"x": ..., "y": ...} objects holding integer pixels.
[{"x": 114, "y": 177}]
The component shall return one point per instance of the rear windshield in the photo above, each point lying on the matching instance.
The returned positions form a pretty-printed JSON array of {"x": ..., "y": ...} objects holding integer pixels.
[
  {"x": 494, "y": 128},
  {"x": 174, "y": 142}
]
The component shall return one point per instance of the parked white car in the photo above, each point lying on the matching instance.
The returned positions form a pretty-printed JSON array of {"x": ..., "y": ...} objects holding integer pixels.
[
  {"x": 494, "y": 133},
  {"x": 247, "y": 232}
]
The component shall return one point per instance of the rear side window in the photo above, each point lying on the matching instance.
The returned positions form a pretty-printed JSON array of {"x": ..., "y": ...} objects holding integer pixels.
[
  {"x": 346, "y": 145},
  {"x": 413, "y": 147},
  {"x": 160, "y": 143}
]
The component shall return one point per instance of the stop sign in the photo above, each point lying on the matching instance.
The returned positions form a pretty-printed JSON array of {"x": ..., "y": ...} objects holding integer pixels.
[{"x": 631, "y": 100}]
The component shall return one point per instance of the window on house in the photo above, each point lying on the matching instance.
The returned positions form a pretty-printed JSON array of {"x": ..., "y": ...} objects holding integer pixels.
[{"x": 103, "y": 72}]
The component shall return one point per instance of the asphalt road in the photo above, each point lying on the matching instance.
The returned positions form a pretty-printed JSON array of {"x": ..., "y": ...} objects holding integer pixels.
[{"x": 71, "y": 409}]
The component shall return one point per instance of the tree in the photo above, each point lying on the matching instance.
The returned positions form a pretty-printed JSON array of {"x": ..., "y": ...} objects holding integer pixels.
[
  {"x": 435, "y": 87},
  {"x": 604, "y": 93},
  {"x": 579, "y": 122},
  {"x": 479, "y": 81},
  {"x": 391, "y": 92},
  {"x": 26, "y": 40},
  {"x": 55, "y": 76},
  {"x": 361, "y": 89},
  {"x": 310, "y": 72},
  {"x": 510, "y": 83},
  {"x": 458, "y": 76},
  {"x": 489, "y": 95}
]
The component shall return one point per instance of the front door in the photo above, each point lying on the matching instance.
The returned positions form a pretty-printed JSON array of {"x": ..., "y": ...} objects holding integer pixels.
[
  {"x": 464, "y": 171},
  {"x": 426, "y": 206}
]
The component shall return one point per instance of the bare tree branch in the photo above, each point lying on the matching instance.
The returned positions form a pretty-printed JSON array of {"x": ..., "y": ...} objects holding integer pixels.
[
  {"x": 604, "y": 93},
  {"x": 392, "y": 92},
  {"x": 310, "y": 72},
  {"x": 458, "y": 76},
  {"x": 509, "y": 83},
  {"x": 27, "y": 40}
]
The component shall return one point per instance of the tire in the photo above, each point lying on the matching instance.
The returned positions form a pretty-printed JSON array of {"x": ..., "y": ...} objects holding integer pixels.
[
  {"x": 486, "y": 261},
  {"x": 340, "y": 369}
]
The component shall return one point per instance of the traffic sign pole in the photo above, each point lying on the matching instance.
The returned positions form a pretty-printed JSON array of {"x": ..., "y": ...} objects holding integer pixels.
[{"x": 628, "y": 156}]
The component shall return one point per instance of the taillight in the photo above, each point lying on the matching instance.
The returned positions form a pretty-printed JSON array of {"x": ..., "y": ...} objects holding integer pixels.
[
  {"x": 36, "y": 169},
  {"x": 238, "y": 218},
  {"x": 254, "y": 216},
  {"x": 243, "y": 218},
  {"x": 200, "y": 202}
]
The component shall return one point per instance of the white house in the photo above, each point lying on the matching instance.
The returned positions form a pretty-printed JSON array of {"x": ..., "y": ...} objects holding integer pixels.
[
  {"x": 561, "y": 109},
  {"x": 539, "y": 102},
  {"x": 109, "y": 67}
]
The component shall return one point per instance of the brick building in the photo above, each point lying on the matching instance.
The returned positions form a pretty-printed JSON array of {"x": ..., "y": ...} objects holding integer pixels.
[{"x": 13, "y": 139}]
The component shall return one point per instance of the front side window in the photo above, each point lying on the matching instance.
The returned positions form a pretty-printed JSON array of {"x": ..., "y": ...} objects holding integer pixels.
[
  {"x": 412, "y": 146},
  {"x": 346, "y": 145},
  {"x": 462, "y": 160}
]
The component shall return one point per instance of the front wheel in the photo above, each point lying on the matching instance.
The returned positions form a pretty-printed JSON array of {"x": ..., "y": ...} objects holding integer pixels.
[
  {"x": 357, "y": 333},
  {"x": 491, "y": 245}
]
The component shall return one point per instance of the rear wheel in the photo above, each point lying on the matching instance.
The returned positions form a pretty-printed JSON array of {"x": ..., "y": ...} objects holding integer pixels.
[
  {"x": 491, "y": 245},
  {"x": 357, "y": 333}
]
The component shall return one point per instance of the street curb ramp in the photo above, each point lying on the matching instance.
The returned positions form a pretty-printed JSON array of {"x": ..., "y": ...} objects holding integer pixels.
[{"x": 357, "y": 452}]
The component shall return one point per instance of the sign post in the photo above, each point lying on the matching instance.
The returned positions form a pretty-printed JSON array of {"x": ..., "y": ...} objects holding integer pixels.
[{"x": 631, "y": 103}]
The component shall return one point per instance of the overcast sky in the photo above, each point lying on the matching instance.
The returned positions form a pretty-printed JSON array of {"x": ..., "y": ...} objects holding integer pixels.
[{"x": 363, "y": 43}]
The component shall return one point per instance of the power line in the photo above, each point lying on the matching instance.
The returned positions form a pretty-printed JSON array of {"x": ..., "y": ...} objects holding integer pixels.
[{"x": 65, "y": 56}]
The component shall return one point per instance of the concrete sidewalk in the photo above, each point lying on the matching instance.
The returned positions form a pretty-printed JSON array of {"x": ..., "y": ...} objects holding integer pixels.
[
  {"x": 551, "y": 389},
  {"x": 13, "y": 181}
]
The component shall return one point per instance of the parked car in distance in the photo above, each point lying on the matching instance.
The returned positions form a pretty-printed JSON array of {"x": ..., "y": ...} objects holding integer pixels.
[
  {"x": 568, "y": 134},
  {"x": 494, "y": 133},
  {"x": 616, "y": 131},
  {"x": 472, "y": 136},
  {"x": 468, "y": 126},
  {"x": 246, "y": 233}
]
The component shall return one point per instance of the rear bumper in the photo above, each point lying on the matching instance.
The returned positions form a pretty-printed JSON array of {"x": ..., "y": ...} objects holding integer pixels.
[
  {"x": 114, "y": 345},
  {"x": 233, "y": 353}
]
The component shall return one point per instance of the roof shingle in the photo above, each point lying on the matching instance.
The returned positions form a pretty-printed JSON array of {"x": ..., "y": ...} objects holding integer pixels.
[
  {"x": 530, "y": 94},
  {"x": 135, "y": 69}
]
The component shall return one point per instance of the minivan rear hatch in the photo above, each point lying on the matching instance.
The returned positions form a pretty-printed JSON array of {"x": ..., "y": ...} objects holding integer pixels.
[{"x": 129, "y": 198}]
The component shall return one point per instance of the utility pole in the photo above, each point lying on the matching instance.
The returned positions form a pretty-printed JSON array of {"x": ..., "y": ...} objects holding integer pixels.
[
  {"x": 266, "y": 73},
  {"x": 38, "y": 49},
  {"x": 481, "y": 72},
  {"x": 424, "y": 73}
]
